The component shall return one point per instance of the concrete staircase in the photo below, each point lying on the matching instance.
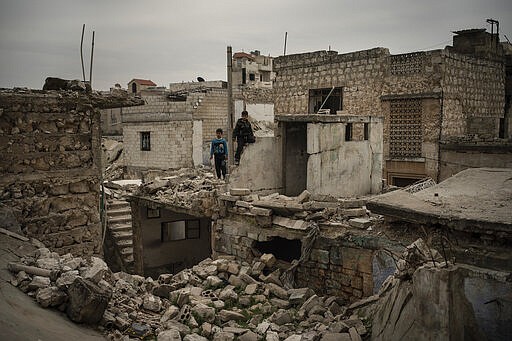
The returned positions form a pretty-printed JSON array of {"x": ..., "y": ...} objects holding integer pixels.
[{"x": 119, "y": 223}]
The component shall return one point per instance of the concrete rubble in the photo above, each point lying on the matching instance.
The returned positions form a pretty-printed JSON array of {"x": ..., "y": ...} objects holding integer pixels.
[{"x": 219, "y": 299}]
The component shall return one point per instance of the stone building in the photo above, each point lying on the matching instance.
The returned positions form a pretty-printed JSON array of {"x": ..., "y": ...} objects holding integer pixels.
[
  {"x": 424, "y": 97},
  {"x": 135, "y": 86},
  {"x": 51, "y": 165},
  {"x": 252, "y": 70}
]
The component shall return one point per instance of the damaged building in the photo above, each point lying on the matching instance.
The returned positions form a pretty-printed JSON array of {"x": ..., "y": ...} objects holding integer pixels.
[{"x": 426, "y": 98}]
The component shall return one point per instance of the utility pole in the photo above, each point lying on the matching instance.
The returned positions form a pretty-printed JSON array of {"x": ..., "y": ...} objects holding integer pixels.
[{"x": 230, "y": 104}]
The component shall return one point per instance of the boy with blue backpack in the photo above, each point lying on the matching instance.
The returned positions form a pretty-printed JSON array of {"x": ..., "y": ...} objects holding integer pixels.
[{"x": 219, "y": 151}]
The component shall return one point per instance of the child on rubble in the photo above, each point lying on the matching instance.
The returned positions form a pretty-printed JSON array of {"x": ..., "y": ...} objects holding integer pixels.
[{"x": 219, "y": 151}]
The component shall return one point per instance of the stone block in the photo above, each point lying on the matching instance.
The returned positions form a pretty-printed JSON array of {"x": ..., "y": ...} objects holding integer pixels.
[
  {"x": 361, "y": 223},
  {"x": 260, "y": 211},
  {"x": 351, "y": 203},
  {"x": 264, "y": 221},
  {"x": 303, "y": 197},
  {"x": 239, "y": 191},
  {"x": 320, "y": 256},
  {"x": 244, "y": 204},
  {"x": 352, "y": 212},
  {"x": 230, "y": 198},
  {"x": 87, "y": 302},
  {"x": 290, "y": 223},
  {"x": 319, "y": 205}
]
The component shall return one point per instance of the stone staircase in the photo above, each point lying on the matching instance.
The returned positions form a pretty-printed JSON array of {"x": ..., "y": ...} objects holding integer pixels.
[{"x": 119, "y": 223}]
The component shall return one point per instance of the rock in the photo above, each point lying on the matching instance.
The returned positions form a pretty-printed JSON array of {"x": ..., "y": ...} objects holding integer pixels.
[
  {"x": 38, "y": 282},
  {"x": 213, "y": 281},
  {"x": 262, "y": 327},
  {"x": 236, "y": 281},
  {"x": 257, "y": 268},
  {"x": 229, "y": 315},
  {"x": 87, "y": 301},
  {"x": 50, "y": 297},
  {"x": 48, "y": 263},
  {"x": 223, "y": 336},
  {"x": 298, "y": 296},
  {"x": 162, "y": 290},
  {"x": 206, "y": 329},
  {"x": 249, "y": 336},
  {"x": 228, "y": 294},
  {"x": 354, "y": 336},
  {"x": 310, "y": 303},
  {"x": 277, "y": 291},
  {"x": 173, "y": 324},
  {"x": 67, "y": 278},
  {"x": 283, "y": 304},
  {"x": 152, "y": 303},
  {"x": 205, "y": 312},
  {"x": 247, "y": 279},
  {"x": 170, "y": 313},
  {"x": 272, "y": 336},
  {"x": 303, "y": 197},
  {"x": 268, "y": 259},
  {"x": 194, "y": 337},
  {"x": 239, "y": 191},
  {"x": 251, "y": 289},
  {"x": 310, "y": 336},
  {"x": 335, "y": 337},
  {"x": 281, "y": 317},
  {"x": 361, "y": 223},
  {"x": 294, "y": 337},
  {"x": 169, "y": 335},
  {"x": 97, "y": 270},
  {"x": 233, "y": 268}
]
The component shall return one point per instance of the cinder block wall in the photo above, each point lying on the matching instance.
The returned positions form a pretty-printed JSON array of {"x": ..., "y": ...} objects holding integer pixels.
[
  {"x": 171, "y": 145},
  {"x": 51, "y": 168}
]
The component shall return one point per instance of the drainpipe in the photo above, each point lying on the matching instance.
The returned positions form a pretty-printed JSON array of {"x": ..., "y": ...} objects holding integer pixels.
[{"x": 230, "y": 104}]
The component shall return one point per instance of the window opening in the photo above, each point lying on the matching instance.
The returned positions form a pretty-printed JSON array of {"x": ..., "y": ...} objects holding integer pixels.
[
  {"x": 145, "y": 140},
  {"x": 348, "y": 132},
  {"x": 333, "y": 102}
]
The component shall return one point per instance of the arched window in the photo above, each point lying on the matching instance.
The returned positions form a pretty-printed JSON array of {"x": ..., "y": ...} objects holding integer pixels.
[{"x": 134, "y": 87}]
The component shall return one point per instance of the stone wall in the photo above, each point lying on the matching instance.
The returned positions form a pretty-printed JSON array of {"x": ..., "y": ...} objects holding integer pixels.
[
  {"x": 213, "y": 111},
  {"x": 359, "y": 73},
  {"x": 51, "y": 167}
]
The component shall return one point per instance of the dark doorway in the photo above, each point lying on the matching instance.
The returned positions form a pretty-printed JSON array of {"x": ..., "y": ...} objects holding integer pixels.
[
  {"x": 134, "y": 88},
  {"x": 283, "y": 249},
  {"x": 295, "y": 158},
  {"x": 403, "y": 182}
]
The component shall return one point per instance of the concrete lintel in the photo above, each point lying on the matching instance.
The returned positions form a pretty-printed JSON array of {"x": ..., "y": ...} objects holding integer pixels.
[
  {"x": 154, "y": 204},
  {"x": 418, "y": 95},
  {"x": 317, "y": 118},
  {"x": 155, "y": 117}
]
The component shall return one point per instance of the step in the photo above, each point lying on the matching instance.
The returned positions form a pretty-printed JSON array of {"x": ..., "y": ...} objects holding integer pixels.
[
  {"x": 124, "y": 243},
  {"x": 118, "y": 212},
  {"x": 121, "y": 228},
  {"x": 125, "y": 251},
  {"x": 121, "y": 235},
  {"x": 114, "y": 205},
  {"x": 120, "y": 219}
]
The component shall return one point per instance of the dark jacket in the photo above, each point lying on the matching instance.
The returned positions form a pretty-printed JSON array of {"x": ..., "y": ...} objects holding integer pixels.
[{"x": 242, "y": 129}]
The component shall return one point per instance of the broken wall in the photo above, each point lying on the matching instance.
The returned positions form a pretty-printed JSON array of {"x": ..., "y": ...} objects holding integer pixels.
[
  {"x": 51, "y": 167},
  {"x": 153, "y": 256},
  {"x": 344, "y": 168},
  {"x": 260, "y": 166}
]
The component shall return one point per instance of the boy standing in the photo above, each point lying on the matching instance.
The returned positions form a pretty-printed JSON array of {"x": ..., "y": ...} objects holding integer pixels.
[
  {"x": 219, "y": 151},
  {"x": 243, "y": 135}
]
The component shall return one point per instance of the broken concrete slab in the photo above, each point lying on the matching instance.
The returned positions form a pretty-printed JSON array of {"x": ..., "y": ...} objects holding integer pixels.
[
  {"x": 361, "y": 223},
  {"x": 87, "y": 301},
  {"x": 239, "y": 191},
  {"x": 290, "y": 223}
]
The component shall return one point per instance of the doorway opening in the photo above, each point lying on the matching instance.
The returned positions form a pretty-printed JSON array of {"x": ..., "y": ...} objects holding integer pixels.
[
  {"x": 282, "y": 248},
  {"x": 295, "y": 158}
]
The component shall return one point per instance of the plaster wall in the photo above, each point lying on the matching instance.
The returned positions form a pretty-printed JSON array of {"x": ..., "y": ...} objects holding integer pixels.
[
  {"x": 197, "y": 142},
  {"x": 171, "y": 255},
  {"x": 454, "y": 161},
  {"x": 260, "y": 166}
]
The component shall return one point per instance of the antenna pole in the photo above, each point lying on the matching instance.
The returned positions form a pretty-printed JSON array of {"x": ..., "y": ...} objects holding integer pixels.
[
  {"x": 285, "y": 39},
  {"x": 230, "y": 103},
  {"x": 92, "y": 55},
  {"x": 81, "y": 52}
]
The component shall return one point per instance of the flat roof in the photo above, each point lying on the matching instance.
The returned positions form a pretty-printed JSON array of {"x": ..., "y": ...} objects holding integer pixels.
[{"x": 476, "y": 199}]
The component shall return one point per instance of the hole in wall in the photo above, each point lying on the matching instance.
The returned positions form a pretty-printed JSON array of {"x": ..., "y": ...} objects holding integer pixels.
[{"x": 282, "y": 248}]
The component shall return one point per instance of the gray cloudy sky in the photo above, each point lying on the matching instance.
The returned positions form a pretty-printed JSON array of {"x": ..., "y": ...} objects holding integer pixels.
[{"x": 173, "y": 41}]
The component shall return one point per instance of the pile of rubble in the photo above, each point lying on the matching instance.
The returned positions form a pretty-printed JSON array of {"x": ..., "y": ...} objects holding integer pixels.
[
  {"x": 191, "y": 189},
  {"x": 220, "y": 299},
  {"x": 326, "y": 210}
]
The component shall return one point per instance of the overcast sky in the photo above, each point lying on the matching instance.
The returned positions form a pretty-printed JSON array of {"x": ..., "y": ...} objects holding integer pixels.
[{"x": 174, "y": 41}]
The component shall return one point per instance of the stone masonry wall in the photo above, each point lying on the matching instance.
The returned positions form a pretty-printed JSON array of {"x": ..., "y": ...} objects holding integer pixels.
[
  {"x": 171, "y": 145},
  {"x": 473, "y": 95},
  {"x": 213, "y": 111},
  {"x": 359, "y": 73},
  {"x": 51, "y": 168}
]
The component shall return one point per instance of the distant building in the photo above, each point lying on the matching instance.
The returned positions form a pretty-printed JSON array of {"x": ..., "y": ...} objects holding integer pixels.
[
  {"x": 135, "y": 86},
  {"x": 252, "y": 70}
]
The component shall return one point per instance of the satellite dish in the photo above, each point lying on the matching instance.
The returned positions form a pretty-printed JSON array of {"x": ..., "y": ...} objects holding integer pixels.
[{"x": 200, "y": 79}]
